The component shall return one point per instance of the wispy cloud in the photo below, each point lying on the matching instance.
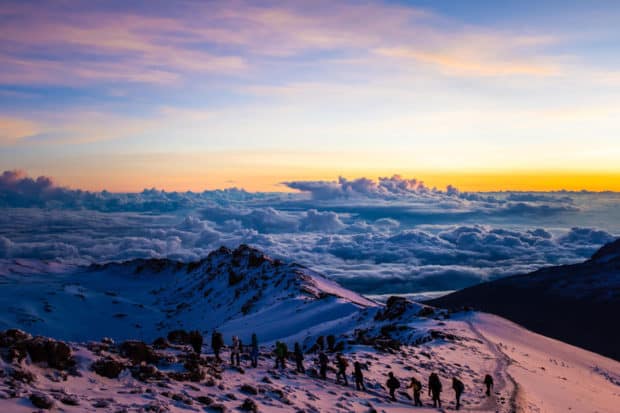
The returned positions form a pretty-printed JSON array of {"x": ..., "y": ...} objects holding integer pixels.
[
  {"x": 14, "y": 129},
  {"x": 49, "y": 43}
]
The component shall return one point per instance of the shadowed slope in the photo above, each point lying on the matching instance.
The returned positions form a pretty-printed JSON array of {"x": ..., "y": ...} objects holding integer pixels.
[{"x": 578, "y": 304}]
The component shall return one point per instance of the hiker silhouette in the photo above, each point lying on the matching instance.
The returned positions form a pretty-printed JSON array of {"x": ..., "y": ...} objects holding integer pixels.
[
  {"x": 434, "y": 389},
  {"x": 359, "y": 376},
  {"x": 416, "y": 386},
  {"x": 488, "y": 382},
  {"x": 458, "y": 388},
  {"x": 299, "y": 359},
  {"x": 392, "y": 384}
]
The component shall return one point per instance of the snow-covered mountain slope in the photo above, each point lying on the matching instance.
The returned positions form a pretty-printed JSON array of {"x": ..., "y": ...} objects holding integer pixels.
[
  {"x": 243, "y": 291},
  {"x": 532, "y": 374},
  {"x": 229, "y": 290},
  {"x": 552, "y": 376},
  {"x": 577, "y": 304}
]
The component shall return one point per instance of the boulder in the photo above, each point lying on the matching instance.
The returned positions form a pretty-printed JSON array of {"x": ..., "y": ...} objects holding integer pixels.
[
  {"x": 218, "y": 408},
  {"x": 394, "y": 308},
  {"x": 248, "y": 389},
  {"x": 160, "y": 343},
  {"x": 249, "y": 405},
  {"x": 70, "y": 400},
  {"x": 13, "y": 336},
  {"x": 108, "y": 367},
  {"x": 56, "y": 354},
  {"x": 138, "y": 352},
  {"x": 42, "y": 400},
  {"x": 145, "y": 372},
  {"x": 204, "y": 400}
]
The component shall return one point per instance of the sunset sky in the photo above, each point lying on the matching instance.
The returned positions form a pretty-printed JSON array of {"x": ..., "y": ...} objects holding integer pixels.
[{"x": 484, "y": 95}]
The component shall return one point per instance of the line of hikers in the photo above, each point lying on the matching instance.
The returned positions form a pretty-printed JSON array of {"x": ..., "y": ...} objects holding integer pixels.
[{"x": 281, "y": 354}]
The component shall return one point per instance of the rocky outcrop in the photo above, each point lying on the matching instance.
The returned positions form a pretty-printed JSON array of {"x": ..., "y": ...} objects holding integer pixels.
[
  {"x": 42, "y": 400},
  {"x": 138, "y": 352},
  {"x": 15, "y": 345},
  {"x": 108, "y": 367}
]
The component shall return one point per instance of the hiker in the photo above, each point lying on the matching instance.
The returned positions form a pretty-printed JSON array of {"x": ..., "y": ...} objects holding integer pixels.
[
  {"x": 434, "y": 389},
  {"x": 359, "y": 376},
  {"x": 323, "y": 360},
  {"x": 254, "y": 351},
  {"x": 235, "y": 349},
  {"x": 416, "y": 385},
  {"x": 342, "y": 365},
  {"x": 458, "y": 387},
  {"x": 195, "y": 340},
  {"x": 217, "y": 342},
  {"x": 281, "y": 353},
  {"x": 392, "y": 384},
  {"x": 299, "y": 358},
  {"x": 488, "y": 381}
]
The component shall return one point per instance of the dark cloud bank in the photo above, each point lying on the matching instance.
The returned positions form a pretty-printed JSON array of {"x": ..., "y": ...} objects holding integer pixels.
[{"x": 376, "y": 236}]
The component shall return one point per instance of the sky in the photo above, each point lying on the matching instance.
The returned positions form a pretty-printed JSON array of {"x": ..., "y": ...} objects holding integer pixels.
[{"x": 195, "y": 95}]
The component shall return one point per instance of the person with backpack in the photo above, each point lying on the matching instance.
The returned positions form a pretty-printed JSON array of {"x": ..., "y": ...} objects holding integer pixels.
[
  {"x": 458, "y": 387},
  {"x": 392, "y": 384},
  {"x": 488, "y": 382},
  {"x": 434, "y": 389},
  {"x": 281, "y": 353},
  {"x": 323, "y": 361},
  {"x": 217, "y": 342},
  {"x": 254, "y": 351},
  {"x": 359, "y": 376},
  {"x": 416, "y": 386},
  {"x": 235, "y": 350},
  {"x": 299, "y": 358},
  {"x": 341, "y": 364}
]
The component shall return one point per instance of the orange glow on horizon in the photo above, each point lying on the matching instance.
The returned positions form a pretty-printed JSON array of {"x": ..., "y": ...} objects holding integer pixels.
[{"x": 269, "y": 180}]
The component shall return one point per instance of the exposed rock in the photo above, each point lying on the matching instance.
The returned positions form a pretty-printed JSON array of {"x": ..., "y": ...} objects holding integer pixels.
[
  {"x": 42, "y": 400},
  {"x": 160, "y": 343},
  {"x": 70, "y": 400},
  {"x": 108, "y": 367},
  {"x": 248, "y": 389},
  {"x": 204, "y": 400},
  {"x": 138, "y": 351},
  {"x": 23, "y": 375},
  {"x": 179, "y": 397},
  {"x": 101, "y": 403},
  {"x": 144, "y": 372},
  {"x": 426, "y": 311},
  {"x": 249, "y": 405},
  {"x": 56, "y": 354},
  {"x": 394, "y": 308},
  {"x": 107, "y": 340},
  {"x": 218, "y": 408},
  {"x": 13, "y": 336}
]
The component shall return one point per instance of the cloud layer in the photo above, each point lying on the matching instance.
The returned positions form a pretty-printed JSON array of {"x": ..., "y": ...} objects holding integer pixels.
[{"x": 376, "y": 236}]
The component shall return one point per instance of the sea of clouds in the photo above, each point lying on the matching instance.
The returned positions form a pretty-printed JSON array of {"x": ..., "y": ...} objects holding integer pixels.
[{"x": 390, "y": 235}]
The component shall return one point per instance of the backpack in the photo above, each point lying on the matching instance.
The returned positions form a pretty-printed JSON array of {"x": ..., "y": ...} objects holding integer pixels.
[
  {"x": 459, "y": 386},
  {"x": 393, "y": 383},
  {"x": 417, "y": 386}
]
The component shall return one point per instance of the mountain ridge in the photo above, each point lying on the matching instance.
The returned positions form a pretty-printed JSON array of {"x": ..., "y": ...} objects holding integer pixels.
[{"x": 571, "y": 303}]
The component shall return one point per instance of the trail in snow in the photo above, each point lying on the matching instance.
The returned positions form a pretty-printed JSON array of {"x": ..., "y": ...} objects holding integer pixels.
[
  {"x": 552, "y": 376},
  {"x": 504, "y": 383}
]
